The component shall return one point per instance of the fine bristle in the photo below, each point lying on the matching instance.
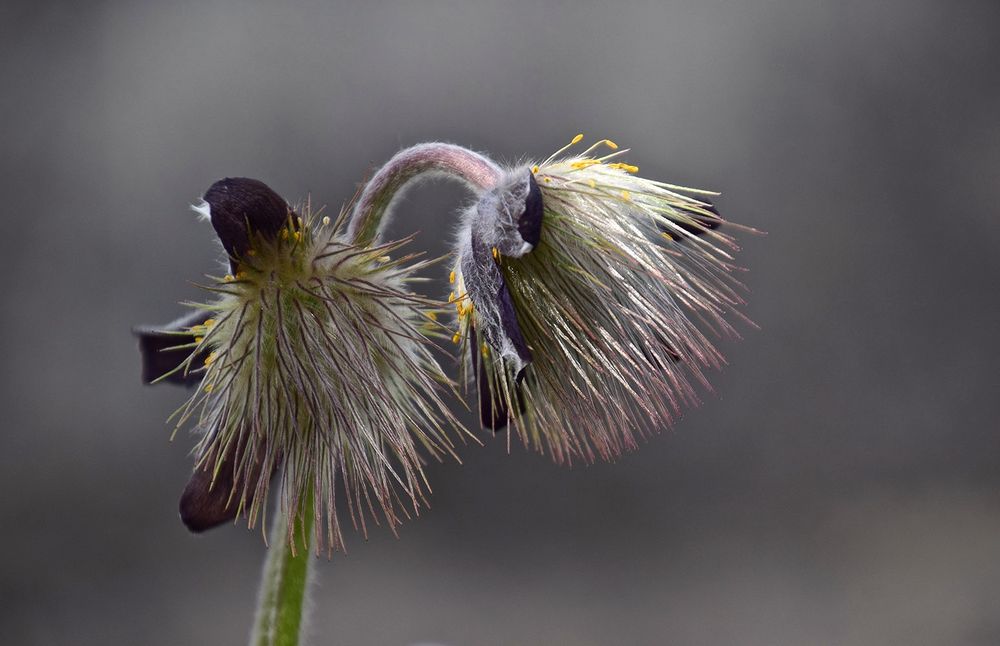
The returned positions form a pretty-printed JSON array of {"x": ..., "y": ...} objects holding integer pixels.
[
  {"x": 616, "y": 304},
  {"x": 317, "y": 358}
]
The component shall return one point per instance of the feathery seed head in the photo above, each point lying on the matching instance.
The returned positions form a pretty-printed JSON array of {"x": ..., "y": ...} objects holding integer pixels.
[
  {"x": 597, "y": 334},
  {"x": 313, "y": 364}
]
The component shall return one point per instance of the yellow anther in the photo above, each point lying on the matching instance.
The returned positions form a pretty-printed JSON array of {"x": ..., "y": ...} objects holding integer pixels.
[
  {"x": 451, "y": 276},
  {"x": 199, "y": 339},
  {"x": 384, "y": 259},
  {"x": 592, "y": 183},
  {"x": 209, "y": 322},
  {"x": 577, "y": 139},
  {"x": 228, "y": 278},
  {"x": 610, "y": 144},
  {"x": 534, "y": 169},
  {"x": 584, "y": 163},
  {"x": 432, "y": 316},
  {"x": 626, "y": 196},
  {"x": 486, "y": 349},
  {"x": 209, "y": 359},
  {"x": 628, "y": 168},
  {"x": 666, "y": 236},
  {"x": 284, "y": 234},
  {"x": 547, "y": 179},
  {"x": 326, "y": 220},
  {"x": 300, "y": 221},
  {"x": 451, "y": 297},
  {"x": 297, "y": 235},
  {"x": 496, "y": 253},
  {"x": 456, "y": 338},
  {"x": 209, "y": 388}
]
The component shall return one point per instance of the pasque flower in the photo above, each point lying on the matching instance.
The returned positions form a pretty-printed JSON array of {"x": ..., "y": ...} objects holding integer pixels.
[
  {"x": 586, "y": 295},
  {"x": 313, "y": 369},
  {"x": 587, "y": 300}
]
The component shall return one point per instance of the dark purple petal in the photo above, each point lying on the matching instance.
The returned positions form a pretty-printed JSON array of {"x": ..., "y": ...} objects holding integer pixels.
[
  {"x": 509, "y": 216},
  {"x": 241, "y": 207},
  {"x": 158, "y": 361},
  {"x": 529, "y": 225},
  {"x": 204, "y": 504},
  {"x": 493, "y": 412},
  {"x": 488, "y": 291}
]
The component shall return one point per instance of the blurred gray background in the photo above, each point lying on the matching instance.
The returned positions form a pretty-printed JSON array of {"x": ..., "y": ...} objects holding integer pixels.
[{"x": 839, "y": 487}]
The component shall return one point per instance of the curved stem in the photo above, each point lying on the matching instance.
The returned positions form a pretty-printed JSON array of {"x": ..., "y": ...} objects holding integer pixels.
[
  {"x": 282, "y": 597},
  {"x": 368, "y": 218}
]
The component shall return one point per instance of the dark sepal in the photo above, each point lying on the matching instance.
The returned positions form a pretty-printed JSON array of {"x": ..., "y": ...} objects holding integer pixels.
[
  {"x": 487, "y": 289},
  {"x": 529, "y": 225},
  {"x": 158, "y": 361},
  {"x": 204, "y": 505},
  {"x": 493, "y": 413},
  {"x": 493, "y": 410},
  {"x": 237, "y": 203}
]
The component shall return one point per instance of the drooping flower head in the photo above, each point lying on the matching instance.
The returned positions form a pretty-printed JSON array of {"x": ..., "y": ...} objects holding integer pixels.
[
  {"x": 586, "y": 297},
  {"x": 313, "y": 365}
]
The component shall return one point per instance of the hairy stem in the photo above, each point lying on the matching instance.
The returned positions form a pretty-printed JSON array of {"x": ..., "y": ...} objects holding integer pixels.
[
  {"x": 282, "y": 597},
  {"x": 368, "y": 218}
]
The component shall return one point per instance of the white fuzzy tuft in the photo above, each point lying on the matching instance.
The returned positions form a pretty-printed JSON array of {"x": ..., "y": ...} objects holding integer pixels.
[{"x": 204, "y": 211}]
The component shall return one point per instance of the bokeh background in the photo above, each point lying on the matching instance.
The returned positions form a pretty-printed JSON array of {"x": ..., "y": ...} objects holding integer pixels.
[{"x": 840, "y": 486}]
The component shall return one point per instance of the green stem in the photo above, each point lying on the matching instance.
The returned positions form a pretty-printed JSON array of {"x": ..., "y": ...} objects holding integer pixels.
[{"x": 282, "y": 596}]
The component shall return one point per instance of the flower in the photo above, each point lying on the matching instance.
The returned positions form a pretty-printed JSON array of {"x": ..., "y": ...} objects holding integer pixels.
[
  {"x": 313, "y": 364},
  {"x": 584, "y": 296}
]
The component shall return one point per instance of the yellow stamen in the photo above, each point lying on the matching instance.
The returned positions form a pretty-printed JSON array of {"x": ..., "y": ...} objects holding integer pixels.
[
  {"x": 209, "y": 359},
  {"x": 199, "y": 339},
  {"x": 577, "y": 139},
  {"x": 628, "y": 168},
  {"x": 592, "y": 183},
  {"x": 666, "y": 236},
  {"x": 626, "y": 196},
  {"x": 456, "y": 338},
  {"x": 451, "y": 297},
  {"x": 228, "y": 278},
  {"x": 297, "y": 235},
  {"x": 610, "y": 144},
  {"x": 383, "y": 259},
  {"x": 486, "y": 350},
  {"x": 326, "y": 220},
  {"x": 534, "y": 169},
  {"x": 584, "y": 163},
  {"x": 451, "y": 276},
  {"x": 496, "y": 253},
  {"x": 284, "y": 234},
  {"x": 432, "y": 316},
  {"x": 209, "y": 322},
  {"x": 209, "y": 388},
  {"x": 547, "y": 179}
]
